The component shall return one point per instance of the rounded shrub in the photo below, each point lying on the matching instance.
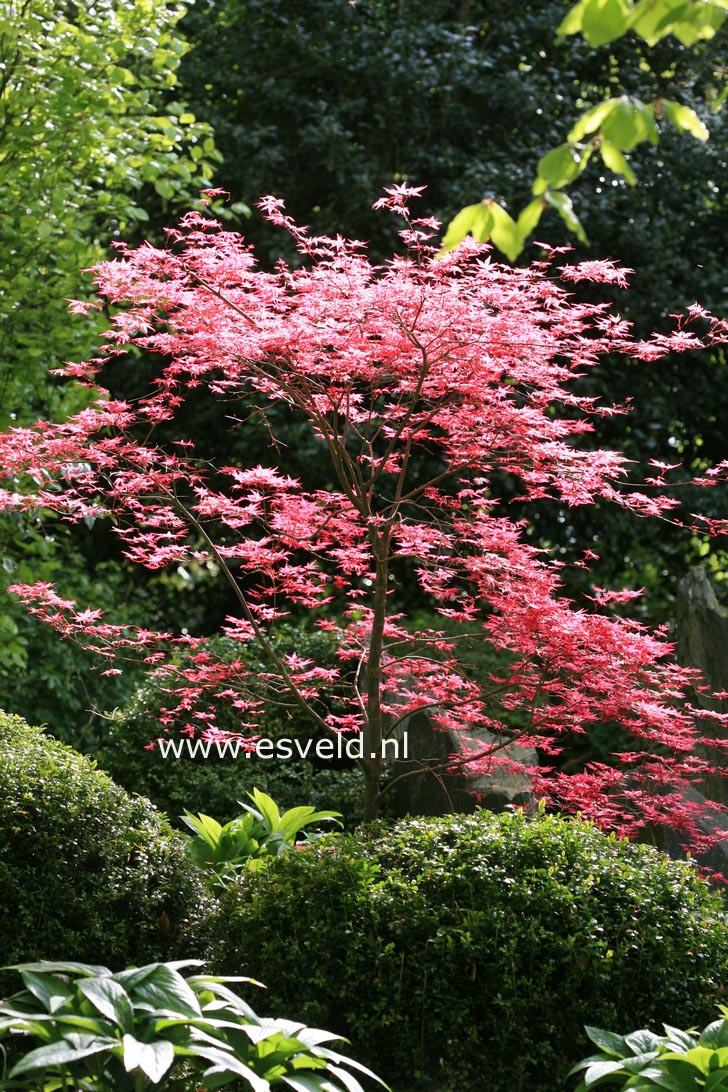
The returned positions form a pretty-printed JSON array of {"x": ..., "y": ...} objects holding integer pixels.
[
  {"x": 88, "y": 872},
  {"x": 215, "y": 784},
  {"x": 468, "y": 953}
]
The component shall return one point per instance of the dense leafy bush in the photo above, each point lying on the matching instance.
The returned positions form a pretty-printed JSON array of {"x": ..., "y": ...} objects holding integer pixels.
[
  {"x": 87, "y": 872},
  {"x": 214, "y": 784},
  {"x": 468, "y": 952}
]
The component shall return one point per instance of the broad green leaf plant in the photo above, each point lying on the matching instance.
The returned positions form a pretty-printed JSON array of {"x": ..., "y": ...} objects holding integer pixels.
[
  {"x": 679, "y": 1061},
  {"x": 156, "y": 1027},
  {"x": 260, "y": 832},
  {"x": 611, "y": 129}
]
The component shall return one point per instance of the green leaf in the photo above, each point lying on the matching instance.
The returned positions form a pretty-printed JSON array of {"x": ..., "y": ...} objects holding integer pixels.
[
  {"x": 529, "y": 217},
  {"x": 62, "y": 968},
  {"x": 49, "y": 989},
  {"x": 615, "y": 161},
  {"x": 686, "y": 119},
  {"x": 110, "y": 998},
  {"x": 642, "y": 1041},
  {"x": 204, "y": 826},
  {"x": 266, "y": 807},
  {"x": 653, "y": 19},
  {"x": 608, "y": 1041},
  {"x": 603, "y": 21},
  {"x": 628, "y": 123},
  {"x": 230, "y": 1064},
  {"x": 590, "y": 121},
  {"x": 154, "y": 1059},
  {"x": 572, "y": 21},
  {"x": 55, "y": 1054},
  {"x": 505, "y": 233},
  {"x": 166, "y": 992},
  {"x": 462, "y": 225},
  {"x": 295, "y": 819},
  {"x": 563, "y": 205},
  {"x": 557, "y": 168},
  {"x": 599, "y": 1070}
]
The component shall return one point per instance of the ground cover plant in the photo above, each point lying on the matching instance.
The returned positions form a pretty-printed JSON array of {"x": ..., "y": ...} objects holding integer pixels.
[
  {"x": 470, "y": 951},
  {"x": 155, "y": 1026},
  {"x": 682, "y": 1061},
  {"x": 423, "y": 382}
]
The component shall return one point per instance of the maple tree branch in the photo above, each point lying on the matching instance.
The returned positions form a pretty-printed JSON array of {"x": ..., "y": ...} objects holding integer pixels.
[{"x": 260, "y": 635}]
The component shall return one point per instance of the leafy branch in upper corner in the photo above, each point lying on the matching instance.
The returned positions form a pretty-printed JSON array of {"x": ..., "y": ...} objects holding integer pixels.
[{"x": 610, "y": 129}]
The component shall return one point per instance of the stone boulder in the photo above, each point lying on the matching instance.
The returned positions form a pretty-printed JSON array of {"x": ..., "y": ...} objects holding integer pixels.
[{"x": 428, "y": 790}]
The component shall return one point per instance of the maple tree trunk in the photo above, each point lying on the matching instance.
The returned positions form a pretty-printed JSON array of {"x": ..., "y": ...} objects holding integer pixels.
[{"x": 373, "y": 726}]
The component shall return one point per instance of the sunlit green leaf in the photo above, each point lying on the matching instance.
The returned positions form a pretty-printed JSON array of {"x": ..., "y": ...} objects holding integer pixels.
[{"x": 682, "y": 117}]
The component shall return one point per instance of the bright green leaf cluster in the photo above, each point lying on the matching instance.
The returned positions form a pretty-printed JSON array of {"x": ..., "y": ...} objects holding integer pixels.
[
  {"x": 101, "y": 1031},
  {"x": 261, "y": 832},
  {"x": 83, "y": 128},
  {"x": 680, "y": 1061},
  {"x": 603, "y": 21},
  {"x": 613, "y": 128}
]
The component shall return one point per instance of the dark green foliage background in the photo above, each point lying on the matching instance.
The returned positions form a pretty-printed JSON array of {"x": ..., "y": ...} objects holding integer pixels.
[
  {"x": 468, "y": 952},
  {"x": 324, "y": 102},
  {"x": 215, "y": 785},
  {"x": 88, "y": 872}
]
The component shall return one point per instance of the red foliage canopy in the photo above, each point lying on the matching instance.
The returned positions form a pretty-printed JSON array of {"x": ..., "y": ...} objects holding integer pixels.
[{"x": 468, "y": 360}]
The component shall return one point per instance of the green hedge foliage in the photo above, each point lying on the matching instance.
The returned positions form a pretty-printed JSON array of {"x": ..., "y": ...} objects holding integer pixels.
[
  {"x": 214, "y": 785},
  {"x": 468, "y": 952},
  {"x": 88, "y": 872}
]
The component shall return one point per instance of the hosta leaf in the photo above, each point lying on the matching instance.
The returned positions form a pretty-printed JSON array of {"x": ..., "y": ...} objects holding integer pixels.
[
  {"x": 230, "y": 1064},
  {"x": 61, "y": 968},
  {"x": 166, "y": 992},
  {"x": 111, "y": 999},
  {"x": 609, "y": 1041},
  {"x": 55, "y": 1054},
  {"x": 53, "y": 992},
  {"x": 154, "y": 1059}
]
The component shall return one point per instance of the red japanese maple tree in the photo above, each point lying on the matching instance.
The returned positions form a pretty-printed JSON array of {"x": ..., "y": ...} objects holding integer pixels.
[{"x": 466, "y": 360}]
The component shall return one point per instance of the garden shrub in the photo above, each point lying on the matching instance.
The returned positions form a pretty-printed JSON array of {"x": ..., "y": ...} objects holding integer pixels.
[
  {"x": 214, "y": 785},
  {"x": 469, "y": 952},
  {"x": 88, "y": 872}
]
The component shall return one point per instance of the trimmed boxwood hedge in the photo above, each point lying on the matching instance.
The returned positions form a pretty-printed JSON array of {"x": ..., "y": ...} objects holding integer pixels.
[
  {"x": 467, "y": 953},
  {"x": 88, "y": 872}
]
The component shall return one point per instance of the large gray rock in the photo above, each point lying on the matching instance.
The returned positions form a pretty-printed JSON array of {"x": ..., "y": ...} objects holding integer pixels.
[
  {"x": 428, "y": 790},
  {"x": 702, "y": 642}
]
